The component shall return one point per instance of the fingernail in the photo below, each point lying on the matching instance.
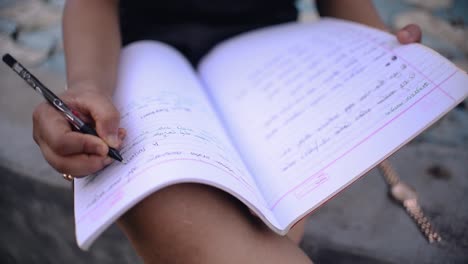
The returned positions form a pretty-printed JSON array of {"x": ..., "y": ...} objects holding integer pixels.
[
  {"x": 405, "y": 34},
  {"x": 113, "y": 140},
  {"x": 108, "y": 161}
]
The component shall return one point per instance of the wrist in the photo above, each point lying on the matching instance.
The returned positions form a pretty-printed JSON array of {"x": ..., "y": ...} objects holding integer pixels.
[{"x": 90, "y": 86}]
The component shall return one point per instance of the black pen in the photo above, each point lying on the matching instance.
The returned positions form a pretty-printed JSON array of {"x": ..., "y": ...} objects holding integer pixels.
[{"x": 55, "y": 101}]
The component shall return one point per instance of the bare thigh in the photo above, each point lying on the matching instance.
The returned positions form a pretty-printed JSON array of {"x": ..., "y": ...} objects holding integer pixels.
[{"x": 193, "y": 223}]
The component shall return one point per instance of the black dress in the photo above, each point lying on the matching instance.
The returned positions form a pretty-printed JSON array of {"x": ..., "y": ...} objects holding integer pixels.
[{"x": 195, "y": 26}]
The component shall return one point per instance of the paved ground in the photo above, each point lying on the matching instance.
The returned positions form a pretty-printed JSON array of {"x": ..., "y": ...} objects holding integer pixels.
[{"x": 361, "y": 225}]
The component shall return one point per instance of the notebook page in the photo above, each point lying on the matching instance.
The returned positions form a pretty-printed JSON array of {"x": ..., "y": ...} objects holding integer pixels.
[
  {"x": 314, "y": 106},
  {"x": 173, "y": 136}
]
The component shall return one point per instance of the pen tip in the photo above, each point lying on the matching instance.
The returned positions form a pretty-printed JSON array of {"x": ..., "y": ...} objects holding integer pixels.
[
  {"x": 124, "y": 161},
  {"x": 9, "y": 60}
]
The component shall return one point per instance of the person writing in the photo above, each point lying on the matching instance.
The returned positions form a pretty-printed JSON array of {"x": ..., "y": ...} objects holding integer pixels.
[{"x": 185, "y": 223}]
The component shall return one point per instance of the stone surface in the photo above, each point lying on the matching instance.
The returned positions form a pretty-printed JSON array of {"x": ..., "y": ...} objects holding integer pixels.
[
  {"x": 388, "y": 9},
  {"x": 37, "y": 226},
  {"x": 37, "y": 40},
  {"x": 443, "y": 46},
  {"x": 27, "y": 56},
  {"x": 456, "y": 14},
  {"x": 450, "y": 131},
  {"x": 8, "y": 3},
  {"x": 307, "y": 11},
  {"x": 55, "y": 63},
  {"x": 56, "y": 3},
  {"x": 462, "y": 64},
  {"x": 32, "y": 14},
  {"x": 431, "y": 4},
  {"x": 7, "y": 27}
]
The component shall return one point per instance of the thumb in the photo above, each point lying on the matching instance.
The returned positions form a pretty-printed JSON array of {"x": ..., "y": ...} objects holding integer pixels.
[
  {"x": 409, "y": 34},
  {"x": 104, "y": 114}
]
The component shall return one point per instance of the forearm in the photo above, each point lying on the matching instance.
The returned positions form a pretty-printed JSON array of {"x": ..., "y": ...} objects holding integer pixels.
[
  {"x": 92, "y": 43},
  {"x": 361, "y": 11}
]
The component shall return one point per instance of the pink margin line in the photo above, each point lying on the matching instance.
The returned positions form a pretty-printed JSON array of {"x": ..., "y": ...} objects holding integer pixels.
[
  {"x": 362, "y": 141},
  {"x": 376, "y": 131},
  {"x": 425, "y": 76},
  {"x": 412, "y": 66},
  {"x": 108, "y": 196},
  {"x": 447, "y": 94}
]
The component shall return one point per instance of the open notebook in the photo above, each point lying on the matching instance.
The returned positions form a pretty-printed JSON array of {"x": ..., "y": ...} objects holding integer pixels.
[{"x": 282, "y": 118}]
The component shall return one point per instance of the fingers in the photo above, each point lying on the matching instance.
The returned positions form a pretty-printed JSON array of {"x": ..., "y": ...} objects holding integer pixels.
[
  {"x": 77, "y": 165},
  {"x": 409, "y": 34},
  {"x": 73, "y": 142},
  {"x": 72, "y": 152},
  {"x": 103, "y": 112},
  {"x": 51, "y": 128}
]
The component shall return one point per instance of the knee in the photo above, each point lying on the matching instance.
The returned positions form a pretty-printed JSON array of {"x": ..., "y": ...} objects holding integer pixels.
[
  {"x": 181, "y": 219},
  {"x": 192, "y": 223},
  {"x": 174, "y": 208}
]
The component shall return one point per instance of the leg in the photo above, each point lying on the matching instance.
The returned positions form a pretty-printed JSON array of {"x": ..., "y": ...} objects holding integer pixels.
[
  {"x": 192, "y": 223},
  {"x": 297, "y": 231}
]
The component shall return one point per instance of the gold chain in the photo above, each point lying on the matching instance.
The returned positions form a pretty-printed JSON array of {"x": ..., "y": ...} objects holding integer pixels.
[
  {"x": 415, "y": 211},
  {"x": 407, "y": 196},
  {"x": 389, "y": 173}
]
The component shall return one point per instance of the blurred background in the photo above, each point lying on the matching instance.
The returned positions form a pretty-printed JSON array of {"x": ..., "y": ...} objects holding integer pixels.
[{"x": 361, "y": 225}]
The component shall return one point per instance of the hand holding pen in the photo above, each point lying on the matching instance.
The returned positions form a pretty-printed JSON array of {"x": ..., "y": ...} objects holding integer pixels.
[{"x": 81, "y": 151}]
